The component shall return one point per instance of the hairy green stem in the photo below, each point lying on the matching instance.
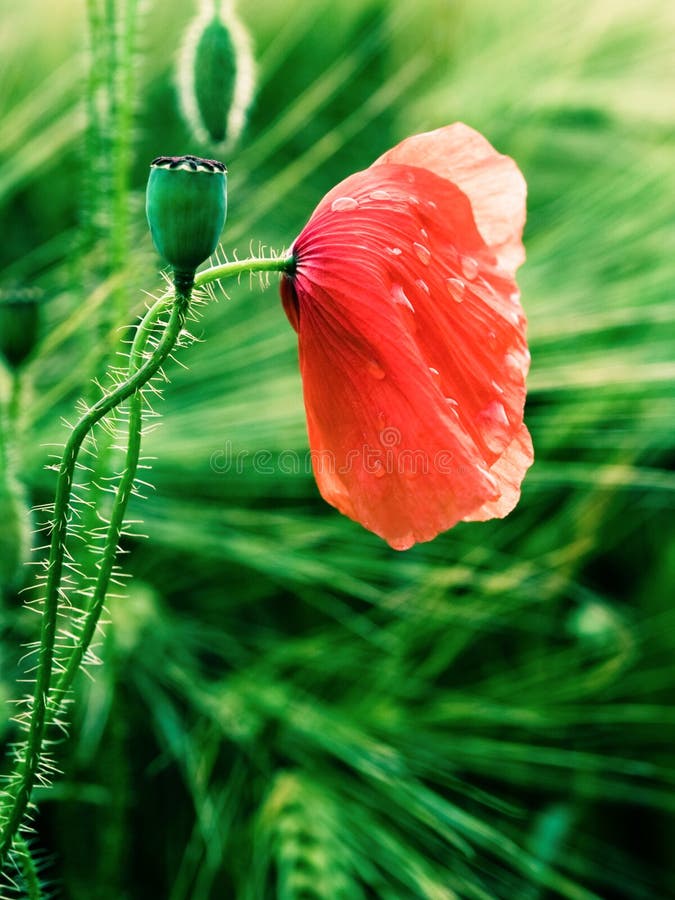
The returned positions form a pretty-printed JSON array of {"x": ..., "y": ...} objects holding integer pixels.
[
  {"x": 14, "y": 405},
  {"x": 29, "y": 871},
  {"x": 21, "y": 786},
  {"x": 15, "y": 534},
  {"x": 238, "y": 267},
  {"x": 9, "y": 424},
  {"x": 123, "y": 98},
  {"x": 207, "y": 276},
  {"x": 119, "y": 506},
  {"x": 44, "y": 706},
  {"x": 4, "y": 438}
]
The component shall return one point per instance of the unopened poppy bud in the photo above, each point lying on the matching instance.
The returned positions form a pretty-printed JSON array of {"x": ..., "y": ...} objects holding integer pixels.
[
  {"x": 186, "y": 205},
  {"x": 216, "y": 74},
  {"x": 19, "y": 321}
]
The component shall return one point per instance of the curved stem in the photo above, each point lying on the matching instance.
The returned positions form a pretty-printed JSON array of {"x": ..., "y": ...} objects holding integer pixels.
[
  {"x": 14, "y": 404},
  {"x": 15, "y": 536},
  {"x": 21, "y": 784},
  {"x": 252, "y": 264},
  {"x": 208, "y": 276},
  {"x": 118, "y": 510},
  {"x": 9, "y": 425}
]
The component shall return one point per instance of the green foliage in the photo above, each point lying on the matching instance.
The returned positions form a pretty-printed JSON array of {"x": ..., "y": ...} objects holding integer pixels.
[{"x": 287, "y": 708}]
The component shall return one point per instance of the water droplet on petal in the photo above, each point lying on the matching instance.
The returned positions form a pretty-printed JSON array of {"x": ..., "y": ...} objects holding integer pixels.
[
  {"x": 398, "y": 295},
  {"x": 340, "y": 204},
  {"x": 431, "y": 204},
  {"x": 424, "y": 234},
  {"x": 456, "y": 288},
  {"x": 422, "y": 285},
  {"x": 452, "y": 406},
  {"x": 396, "y": 251},
  {"x": 423, "y": 254},
  {"x": 375, "y": 369},
  {"x": 404, "y": 542},
  {"x": 494, "y": 426},
  {"x": 511, "y": 362},
  {"x": 497, "y": 387},
  {"x": 434, "y": 372},
  {"x": 491, "y": 480},
  {"x": 469, "y": 267},
  {"x": 380, "y": 195},
  {"x": 495, "y": 412},
  {"x": 517, "y": 363}
]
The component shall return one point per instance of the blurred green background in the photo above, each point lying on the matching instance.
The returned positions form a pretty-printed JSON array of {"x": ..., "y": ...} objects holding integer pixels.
[{"x": 287, "y": 708}]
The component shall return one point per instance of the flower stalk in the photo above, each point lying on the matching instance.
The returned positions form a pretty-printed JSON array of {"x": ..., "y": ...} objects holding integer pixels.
[{"x": 48, "y": 697}]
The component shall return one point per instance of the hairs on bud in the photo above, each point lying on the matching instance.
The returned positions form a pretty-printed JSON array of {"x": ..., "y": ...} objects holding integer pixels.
[{"x": 198, "y": 61}]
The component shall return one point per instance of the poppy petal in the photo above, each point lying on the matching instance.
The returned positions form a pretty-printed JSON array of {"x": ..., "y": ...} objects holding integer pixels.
[
  {"x": 508, "y": 470},
  {"x": 412, "y": 354},
  {"x": 492, "y": 182}
]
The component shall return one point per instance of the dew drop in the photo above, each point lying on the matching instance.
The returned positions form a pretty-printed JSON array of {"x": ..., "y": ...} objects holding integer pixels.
[
  {"x": 453, "y": 406},
  {"x": 434, "y": 372},
  {"x": 515, "y": 367},
  {"x": 497, "y": 387},
  {"x": 423, "y": 254},
  {"x": 491, "y": 480},
  {"x": 404, "y": 542},
  {"x": 395, "y": 251},
  {"x": 494, "y": 426},
  {"x": 469, "y": 267},
  {"x": 380, "y": 195},
  {"x": 519, "y": 362},
  {"x": 431, "y": 204},
  {"x": 398, "y": 295},
  {"x": 424, "y": 234},
  {"x": 456, "y": 288},
  {"x": 422, "y": 285},
  {"x": 340, "y": 204},
  {"x": 495, "y": 412},
  {"x": 375, "y": 369}
]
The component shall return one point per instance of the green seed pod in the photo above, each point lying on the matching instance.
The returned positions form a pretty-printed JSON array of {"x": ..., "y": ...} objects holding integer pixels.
[
  {"x": 19, "y": 322},
  {"x": 186, "y": 205},
  {"x": 216, "y": 75}
]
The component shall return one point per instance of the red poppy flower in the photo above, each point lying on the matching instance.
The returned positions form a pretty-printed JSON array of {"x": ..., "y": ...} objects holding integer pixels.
[{"x": 412, "y": 339}]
